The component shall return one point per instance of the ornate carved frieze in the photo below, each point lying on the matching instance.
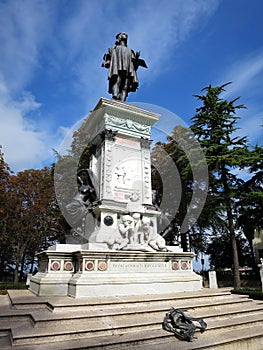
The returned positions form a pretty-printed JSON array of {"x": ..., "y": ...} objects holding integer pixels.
[{"x": 127, "y": 124}]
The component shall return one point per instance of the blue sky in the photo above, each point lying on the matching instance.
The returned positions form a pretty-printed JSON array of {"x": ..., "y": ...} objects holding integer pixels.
[{"x": 51, "y": 53}]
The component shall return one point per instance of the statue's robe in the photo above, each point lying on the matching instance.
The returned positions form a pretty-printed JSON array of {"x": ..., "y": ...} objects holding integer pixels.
[{"x": 121, "y": 64}]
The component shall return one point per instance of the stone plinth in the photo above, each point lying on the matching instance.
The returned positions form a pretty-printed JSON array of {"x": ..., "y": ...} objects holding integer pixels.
[
  {"x": 212, "y": 279},
  {"x": 86, "y": 273},
  {"x": 55, "y": 270}
]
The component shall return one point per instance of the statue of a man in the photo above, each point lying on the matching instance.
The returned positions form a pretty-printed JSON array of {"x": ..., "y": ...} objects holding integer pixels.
[{"x": 122, "y": 63}]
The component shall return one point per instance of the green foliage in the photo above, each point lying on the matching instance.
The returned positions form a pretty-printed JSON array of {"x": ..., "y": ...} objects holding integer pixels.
[
  {"x": 4, "y": 287},
  {"x": 28, "y": 218},
  {"x": 250, "y": 203},
  {"x": 67, "y": 166},
  {"x": 215, "y": 127},
  {"x": 219, "y": 248},
  {"x": 255, "y": 294},
  {"x": 9, "y": 285},
  {"x": 178, "y": 148}
]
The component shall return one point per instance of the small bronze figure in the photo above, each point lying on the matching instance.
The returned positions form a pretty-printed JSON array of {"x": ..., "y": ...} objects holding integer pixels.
[
  {"x": 175, "y": 321},
  {"x": 122, "y": 63}
]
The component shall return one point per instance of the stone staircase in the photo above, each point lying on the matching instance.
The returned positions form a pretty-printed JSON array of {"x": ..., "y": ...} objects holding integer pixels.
[{"x": 28, "y": 322}]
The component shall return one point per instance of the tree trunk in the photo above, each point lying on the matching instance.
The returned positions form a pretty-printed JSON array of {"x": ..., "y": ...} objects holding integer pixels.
[
  {"x": 16, "y": 272},
  {"x": 22, "y": 265},
  {"x": 237, "y": 283},
  {"x": 232, "y": 235},
  {"x": 17, "y": 263},
  {"x": 32, "y": 262},
  {"x": 2, "y": 267},
  {"x": 182, "y": 214}
]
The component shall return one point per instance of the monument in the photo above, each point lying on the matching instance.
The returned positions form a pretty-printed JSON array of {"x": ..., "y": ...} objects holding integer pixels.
[
  {"x": 122, "y": 63},
  {"x": 113, "y": 209}
]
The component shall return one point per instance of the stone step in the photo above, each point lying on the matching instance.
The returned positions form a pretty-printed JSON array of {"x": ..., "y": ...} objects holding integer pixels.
[
  {"x": 119, "y": 324},
  {"x": 112, "y": 325},
  {"x": 226, "y": 299},
  {"x": 230, "y": 311},
  {"x": 232, "y": 305},
  {"x": 242, "y": 339},
  {"x": 131, "y": 300},
  {"x": 40, "y": 320},
  {"x": 5, "y": 340},
  {"x": 25, "y": 299},
  {"x": 133, "y": 322},
  {"x": 250, "y": 338}
]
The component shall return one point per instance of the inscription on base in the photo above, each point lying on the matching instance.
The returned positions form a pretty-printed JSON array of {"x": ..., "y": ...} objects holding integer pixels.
[{"x": 140, "y": 266}]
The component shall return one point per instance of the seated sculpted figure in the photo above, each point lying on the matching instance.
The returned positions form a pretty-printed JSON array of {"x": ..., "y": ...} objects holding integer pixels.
[
  {"x": 154, "y": 240},
  {"x": 126, "y": 228}
]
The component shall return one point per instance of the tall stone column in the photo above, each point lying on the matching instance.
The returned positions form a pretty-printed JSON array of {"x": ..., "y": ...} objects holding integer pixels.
[{"x": 122, "y": 166}]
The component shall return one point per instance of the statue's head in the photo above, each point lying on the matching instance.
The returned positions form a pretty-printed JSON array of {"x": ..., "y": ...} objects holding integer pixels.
[
  {"x": 127, "y": 219},
  {"x": 146, "y": 221},
  {"x": 84, "y": 192},
  {"x": 121, "y": 37}
]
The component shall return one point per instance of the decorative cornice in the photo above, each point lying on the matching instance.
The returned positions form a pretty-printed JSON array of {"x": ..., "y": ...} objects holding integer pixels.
[{"x": 108, "y": 134}]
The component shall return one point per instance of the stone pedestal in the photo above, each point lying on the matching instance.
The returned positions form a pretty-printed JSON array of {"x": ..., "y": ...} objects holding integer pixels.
[
  {"x": 85, "y": 273},
  {"x": 121, "y": 163},
  {"x": 125, "y": 254},
  {"x": 212, "y": 279}
]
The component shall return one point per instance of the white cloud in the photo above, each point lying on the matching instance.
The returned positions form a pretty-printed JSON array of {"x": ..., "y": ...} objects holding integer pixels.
[
  {"x": 246, "y": 76},
  {"x": 24, "y": 25},
  {"x": 25, "y": 145},
  {"x": 21, "y": 142},
  {"x": 250, "y": 125},
  {"x": 160, "y": 26},
  {"x": 244, "y": 73}
]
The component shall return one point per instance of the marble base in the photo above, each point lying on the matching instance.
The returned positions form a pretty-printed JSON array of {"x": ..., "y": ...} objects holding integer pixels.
[
  {"x": 50, "y": 284},
  {"x": 89, "y": 273}
]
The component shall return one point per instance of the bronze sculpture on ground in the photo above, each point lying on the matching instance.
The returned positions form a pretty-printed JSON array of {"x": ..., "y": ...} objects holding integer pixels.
[
  {"x": 175, "y": 321},
  {"x": 122, "y": 63}
]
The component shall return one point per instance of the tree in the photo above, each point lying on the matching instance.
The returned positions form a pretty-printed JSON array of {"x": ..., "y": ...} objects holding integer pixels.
[
  {"x": 34, "y": 221},
  {"x": 219, "y": 250},
  {"x": 67, "y": 166},
  {"x": 214, "y": 125},
  {"x": 250, "y": 204},
  {"x": 190, "y": 171},
  {"x": 29, "y": 216},
  {"x": 5, "y": 248}
]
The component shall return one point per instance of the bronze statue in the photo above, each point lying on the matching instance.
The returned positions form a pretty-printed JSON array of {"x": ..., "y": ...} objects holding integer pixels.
[
  {"x": 175, "y": 321},
  {"x": 80, "y": 209},
  {"x": 122, "y": 63}
]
